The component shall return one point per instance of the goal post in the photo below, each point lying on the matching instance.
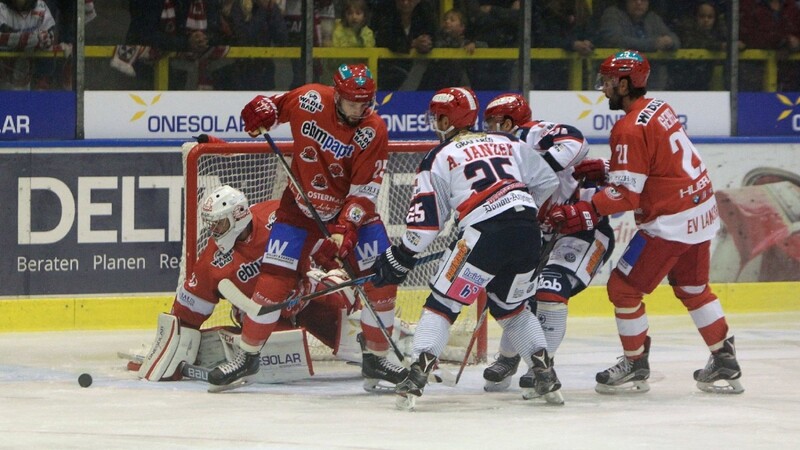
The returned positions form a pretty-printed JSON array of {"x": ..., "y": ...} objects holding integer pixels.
[{"x": 253, "y": 169}]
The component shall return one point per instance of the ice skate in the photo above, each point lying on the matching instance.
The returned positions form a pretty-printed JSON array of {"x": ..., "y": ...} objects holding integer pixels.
[
  {"x": 376, "y": 368},
  {"x": 498, "y": 374},
  {"x": 721, "y": 374},
  {"x": 627, "y": 376},
  {"x": 235, "y": 373},
  {"x": 541, "y": 380},
  {"x": 412, "y": 386}
]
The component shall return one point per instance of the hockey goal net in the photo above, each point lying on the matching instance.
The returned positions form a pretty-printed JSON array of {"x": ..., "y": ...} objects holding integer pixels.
[{"x": 254, "y": 169}]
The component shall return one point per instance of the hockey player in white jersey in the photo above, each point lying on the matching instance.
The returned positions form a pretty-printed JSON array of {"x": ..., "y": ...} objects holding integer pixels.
[
  {"x": 574, "y": 258},
  {"x": 493, "y": 184}
]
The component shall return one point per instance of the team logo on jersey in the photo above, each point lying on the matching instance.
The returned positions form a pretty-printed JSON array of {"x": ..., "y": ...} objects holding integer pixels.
[
  {"x": 319, "y": 182},
  {"x": 311, "y": 101},
  {"x": 308, "y": 154},
  {"x": 271, "y": 220},
  {"x": 612, "y": 193},
  {"x": 364, "y": 136},
  {"x": 221, "y": 259},
  {"x": 326, "y": 141},
  {"x": 193, "y": 280},
  {"x": 336, "y": 170}
]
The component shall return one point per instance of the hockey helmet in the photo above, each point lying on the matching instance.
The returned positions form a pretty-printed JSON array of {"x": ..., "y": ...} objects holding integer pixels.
[
  {"x": 459, "y": 104},
  {"x": 226, "y": 213},
  {"x": 354, "y": 82},
  {"x": 509, "y": 105},
  {"x": 628, "y": 63}
]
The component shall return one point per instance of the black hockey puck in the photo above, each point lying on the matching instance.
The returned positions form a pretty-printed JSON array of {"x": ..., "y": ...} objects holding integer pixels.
[{"x": 85, "y": 380}]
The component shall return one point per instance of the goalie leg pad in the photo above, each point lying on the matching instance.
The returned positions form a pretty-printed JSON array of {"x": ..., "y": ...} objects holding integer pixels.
[{"x": 173, "y": 345}]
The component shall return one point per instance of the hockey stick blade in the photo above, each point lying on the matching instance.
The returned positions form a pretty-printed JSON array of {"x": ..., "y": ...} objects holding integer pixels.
[
  {"x": 230, "y": 291},
  {"x": 472, "y": 340}
]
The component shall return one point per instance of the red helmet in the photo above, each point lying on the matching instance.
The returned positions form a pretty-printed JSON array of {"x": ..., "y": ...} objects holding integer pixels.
[
  {"x": 509, "y": 105},
  {"x": 354, "y": 82},
  {"x": 459, "y": 104},
  {"x": 628, "y": 63}
]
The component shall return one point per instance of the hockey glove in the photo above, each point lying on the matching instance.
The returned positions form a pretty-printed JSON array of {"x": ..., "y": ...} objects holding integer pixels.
[
  {"x": 569, "y": 219},
  {"x": 334, "y": 249},
  {"x": 259, "y": 115},
  {"x": 392, "y": 266},
  {"x": 592, "y": 170}
]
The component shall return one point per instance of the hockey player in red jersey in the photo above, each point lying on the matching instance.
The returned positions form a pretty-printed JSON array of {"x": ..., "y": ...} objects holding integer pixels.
[
  {"x": 340, "y": 154},
  {"x": 239, "y": 234},
  {"x": 656, "y": 172},
  {"x": 574, "y": 258},
  {"x": 493, "y": 183}
]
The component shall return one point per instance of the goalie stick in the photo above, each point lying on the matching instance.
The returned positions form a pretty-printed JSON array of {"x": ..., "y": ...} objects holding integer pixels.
[{"x": 345, "y": 265}]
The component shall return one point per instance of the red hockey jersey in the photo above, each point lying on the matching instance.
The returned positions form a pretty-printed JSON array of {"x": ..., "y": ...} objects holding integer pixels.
[
  {"x": 336, "y": 164},
  {"x": 656, "y": 171}
]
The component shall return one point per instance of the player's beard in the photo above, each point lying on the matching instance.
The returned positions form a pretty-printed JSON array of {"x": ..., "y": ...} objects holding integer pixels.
[{"x": 615, "y": 101}]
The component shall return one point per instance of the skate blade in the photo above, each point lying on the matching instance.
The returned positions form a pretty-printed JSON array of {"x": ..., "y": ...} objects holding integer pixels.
[
  {"x": 724, "y": 387},
  {"x": 631, "y": 387},
  {"x": 215, "y": 389},
  {"x": 497, "y": 386},
  {"x": 378, "y": 386},
  {"x": 405, "y": 402},
  {"x": 551, "y": 398}
]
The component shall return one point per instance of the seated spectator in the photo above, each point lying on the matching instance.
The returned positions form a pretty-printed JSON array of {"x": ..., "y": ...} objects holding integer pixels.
[
  {"x": 324, "y": 20},
  {"x": 64, "y": 12},
  {"x": 247, "y": 23},
  {"x": 449, "y": 72},
  {"x": 631, "y": 25},
  {"x": 497, "y": 23},
  {"x": 769, "y": 25},
  {"x": 25, "y": 26},
  {"x": 400, "y": 26},
  {"x": 564, "y": 24},
  {"x": 350, "y": 31},
  {"x": 702, "y": 29},
  {"x": 187, "y": 26}
]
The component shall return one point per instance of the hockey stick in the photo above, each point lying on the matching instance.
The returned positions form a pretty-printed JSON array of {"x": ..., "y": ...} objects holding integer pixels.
[
  {"x": 345, "y": 265},
  {"x": 229, "y": 290},
  {"x": 472, "y": 340}
]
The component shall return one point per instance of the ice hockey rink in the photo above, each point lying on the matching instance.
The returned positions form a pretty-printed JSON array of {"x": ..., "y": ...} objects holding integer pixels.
[{"x": 44, "y": 407}]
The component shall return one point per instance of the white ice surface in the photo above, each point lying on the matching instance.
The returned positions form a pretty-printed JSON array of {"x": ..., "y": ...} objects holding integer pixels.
[{"x": 42, "y": 406}]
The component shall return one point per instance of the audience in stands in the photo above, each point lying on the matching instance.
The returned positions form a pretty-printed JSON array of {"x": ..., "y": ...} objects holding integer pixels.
[
  {"x": 769, "y": 25},
  {"x": 26, "y": 26},
  {"x": 351, "y": 31},
  {"x": 497, "y": 23},
  {"x": 565, "y": 24},
  {"x": 449, "y": 72}
]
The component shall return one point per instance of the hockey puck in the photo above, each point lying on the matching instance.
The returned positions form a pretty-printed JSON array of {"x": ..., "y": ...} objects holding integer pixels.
[{"x": 85, "y": 380}]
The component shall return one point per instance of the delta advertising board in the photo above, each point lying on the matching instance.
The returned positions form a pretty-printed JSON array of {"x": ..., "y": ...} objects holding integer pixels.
[
  {"x": 90, "y": 221},
  {"x": 181, "y": 114}
]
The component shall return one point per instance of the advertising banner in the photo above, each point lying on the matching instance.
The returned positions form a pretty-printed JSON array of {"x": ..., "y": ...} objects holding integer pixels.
[
  {"x": 37, "y": 115},
  {"x": 769, "y": 114},
  {"x": 90, "y": 221}
]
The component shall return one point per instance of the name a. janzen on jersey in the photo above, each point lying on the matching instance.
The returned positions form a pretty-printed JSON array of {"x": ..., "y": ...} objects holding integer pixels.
[
  {"x": 703, "y": 221},
  {"x": 484, "y": 150}
]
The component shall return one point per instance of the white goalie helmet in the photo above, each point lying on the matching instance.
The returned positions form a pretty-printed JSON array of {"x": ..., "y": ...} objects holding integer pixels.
[{"x": 226, "y": 213}]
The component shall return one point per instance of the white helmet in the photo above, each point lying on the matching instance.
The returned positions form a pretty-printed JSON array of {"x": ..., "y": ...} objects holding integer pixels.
[{"x": 226, "y": 212}]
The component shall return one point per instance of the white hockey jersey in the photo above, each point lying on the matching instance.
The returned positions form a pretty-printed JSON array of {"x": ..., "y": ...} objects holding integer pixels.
[
  {"x": 562, "y": 146},
  {"x": 476, "y": 176}
]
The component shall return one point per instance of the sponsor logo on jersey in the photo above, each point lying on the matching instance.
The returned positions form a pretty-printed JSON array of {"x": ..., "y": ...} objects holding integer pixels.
[
  {"x": 311, "y": 101},
  {"x": 271, "y": 220},
  {"x": 648, "y": 111},
  {"x": 248, "y": 270},
  {"x": 364, "y": 136},
  {"x": 327, "y": 142},
  {"x": 319, "y": 182},
  {"x": 309, "y": 154},
  {"x": 336, "y": 170},
  {"x": 612, "y": 193},
  {"x": 458, "y": 260},
  {"x": 221, "y": 259},
  {"x": 355, "y": 214},
  {"x": 475, "y": 275},
  {"x": 285, "y": 246}
]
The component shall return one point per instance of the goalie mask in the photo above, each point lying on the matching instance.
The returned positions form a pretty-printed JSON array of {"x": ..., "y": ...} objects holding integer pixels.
[
  {"x": 629, "y": 63},
  {"x": 512, "y": 106},
  {"x": 354, "y": 90},
  {"x": 226, "y": 213},
  {"x": 459, "y": 105}
]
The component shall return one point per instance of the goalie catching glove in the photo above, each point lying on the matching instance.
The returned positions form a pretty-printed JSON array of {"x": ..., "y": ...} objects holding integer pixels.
[
  {"x": 259, "y": 115},
  {"x": 569, "y": 219},
  {"x": 393, "y": 265},
  {"x": 592, "y": 170}
]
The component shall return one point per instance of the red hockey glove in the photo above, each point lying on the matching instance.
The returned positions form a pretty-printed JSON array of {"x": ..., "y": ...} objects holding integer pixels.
[
  {"x": 570, "y": 219},
  {"x": 593, "y": 170},
  {"x": 259, "y": 115},
  {"x": 334, "y": 249}
]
